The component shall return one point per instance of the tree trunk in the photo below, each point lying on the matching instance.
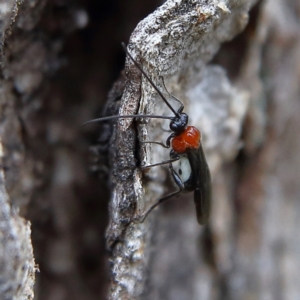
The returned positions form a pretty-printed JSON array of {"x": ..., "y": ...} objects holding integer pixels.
[{"x": 241, "y": 91}]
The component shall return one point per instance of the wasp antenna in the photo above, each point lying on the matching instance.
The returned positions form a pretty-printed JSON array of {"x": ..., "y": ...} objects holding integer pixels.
[
  {"x": 150, "y": 80},
  {"x": 126, "y": 117}
]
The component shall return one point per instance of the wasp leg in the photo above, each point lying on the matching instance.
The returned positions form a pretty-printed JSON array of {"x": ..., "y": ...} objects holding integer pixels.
[
  {"x": 165, "y": 130},
  {"x": 168, "y": 141},
  {"x": 157, "y": 143},
  {"x": 180, "y": 185},
  {"x": 169, "y": 161},
  {"x": 181, "y": 108}
]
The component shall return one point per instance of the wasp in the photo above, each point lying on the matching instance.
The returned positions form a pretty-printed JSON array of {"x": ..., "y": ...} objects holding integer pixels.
[{"x": 192, "y": 173}]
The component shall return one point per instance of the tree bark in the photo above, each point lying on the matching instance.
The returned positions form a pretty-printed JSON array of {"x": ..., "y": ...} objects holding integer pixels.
[
  {"x": 241, "y": 91},
  {"x": 175, "y": 42}
]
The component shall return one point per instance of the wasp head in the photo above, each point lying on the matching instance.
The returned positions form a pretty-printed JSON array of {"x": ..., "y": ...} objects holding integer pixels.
[{"x": 179, "y": 123}]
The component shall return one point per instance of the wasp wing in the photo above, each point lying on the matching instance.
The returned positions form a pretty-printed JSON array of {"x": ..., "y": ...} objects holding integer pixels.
[{"x": 202, "y": 184}]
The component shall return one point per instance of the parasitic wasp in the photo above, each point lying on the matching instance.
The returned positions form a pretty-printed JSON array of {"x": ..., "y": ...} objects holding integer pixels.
[{"x": 192, "y": 174}]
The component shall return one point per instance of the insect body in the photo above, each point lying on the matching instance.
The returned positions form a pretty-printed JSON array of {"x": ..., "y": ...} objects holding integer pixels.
[
  {"x": 193, "y": 172},
  {"x": 186, "y": 148}
]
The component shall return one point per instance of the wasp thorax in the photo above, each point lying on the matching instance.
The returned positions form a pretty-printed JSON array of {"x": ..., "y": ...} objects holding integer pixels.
[
  {"x": 190, "y": 138},
  {"x": 179, "y": 123}
]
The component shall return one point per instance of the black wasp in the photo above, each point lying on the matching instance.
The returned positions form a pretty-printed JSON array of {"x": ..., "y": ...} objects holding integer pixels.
[{"x": 185, "y": 142}]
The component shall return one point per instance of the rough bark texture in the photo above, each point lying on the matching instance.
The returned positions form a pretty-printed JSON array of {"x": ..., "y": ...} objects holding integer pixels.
[
  {"x": 50, "y": 85},
  {"x": 17, "y": 266},
  {"x": 168, "y": 42},
  {"x": 57, "y": 61},
  {"x": 16, "y": 257}
]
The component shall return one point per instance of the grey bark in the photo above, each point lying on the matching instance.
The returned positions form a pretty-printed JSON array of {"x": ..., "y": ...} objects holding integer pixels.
[
  {"x": 27, "y": 58},
  {"x": 175, "y": 42},
  {"x": 249, "y": 249},
  {"x": 17, "y": 266}
]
